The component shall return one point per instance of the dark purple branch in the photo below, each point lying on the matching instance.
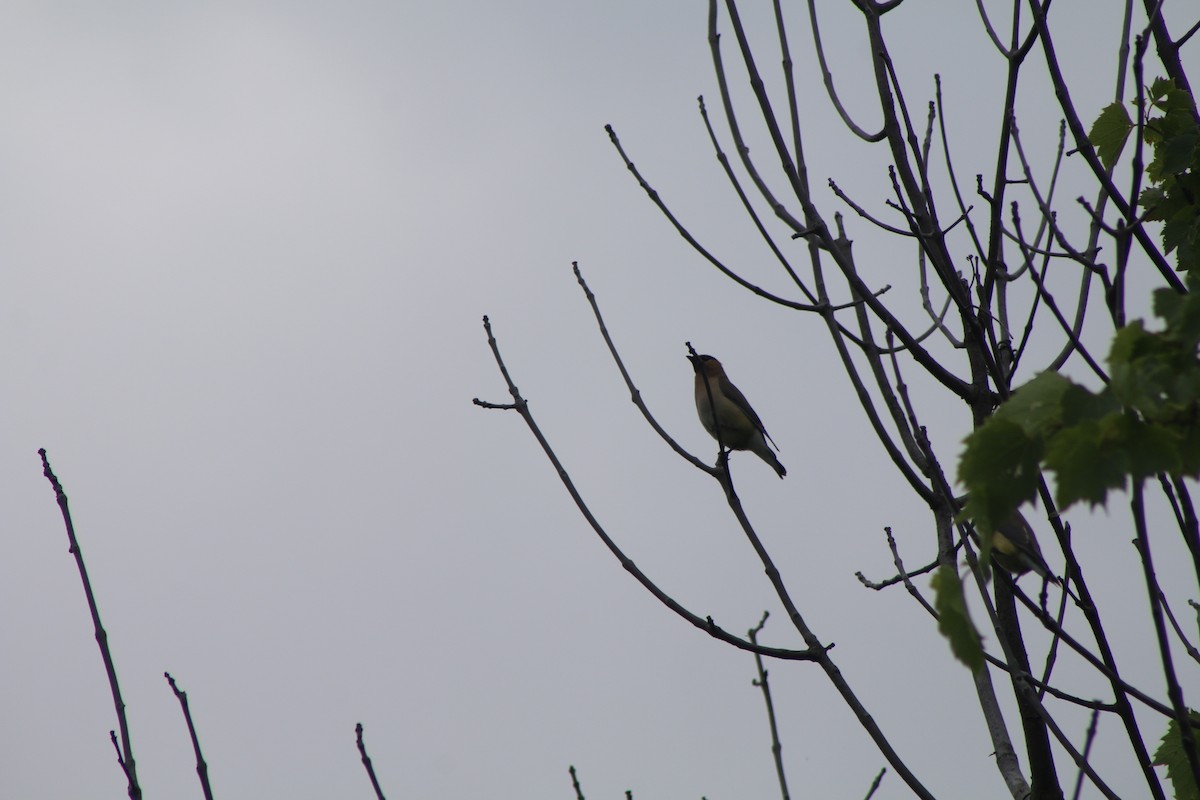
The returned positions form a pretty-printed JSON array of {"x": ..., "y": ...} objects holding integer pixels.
[
  {"x": 762, "y": 683},
  {"x": 125, "y": 753},
  {"x": 1182, "y": 714},
  {"x": 201, "y": 766},
  {"x": 366, "y": 760},
  {"x": 705, "y": 624}
]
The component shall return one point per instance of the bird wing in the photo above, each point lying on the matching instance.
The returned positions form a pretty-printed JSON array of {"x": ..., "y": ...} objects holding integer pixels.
[
  {"x": 738, "y": 399},
  {"x": 1018, "y": 534}
]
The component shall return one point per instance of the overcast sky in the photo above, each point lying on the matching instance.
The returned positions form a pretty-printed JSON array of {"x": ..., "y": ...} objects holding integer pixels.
[{"x": 245, "y": 251}]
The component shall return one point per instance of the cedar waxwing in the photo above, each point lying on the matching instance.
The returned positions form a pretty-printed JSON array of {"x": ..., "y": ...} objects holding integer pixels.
[
  {"x": 741, "y": 429},
  {"x": 1015, "y": 548}
]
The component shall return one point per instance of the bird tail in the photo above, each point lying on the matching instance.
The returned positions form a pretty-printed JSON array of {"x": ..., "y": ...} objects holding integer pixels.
[
  {"x": 762, "y": 451},
  {"x": 1039, "y": 567},
  {"x": 779, "y": 468}
]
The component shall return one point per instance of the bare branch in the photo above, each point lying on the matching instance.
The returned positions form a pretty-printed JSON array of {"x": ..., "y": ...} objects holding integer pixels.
[
  {"x": 827, "y": 76},
  {"x": 820, "y": 652},
  {"x": 761, "y": 682},
  {"x": 1179, "y": 43},
  {"x": 575, "y": 783},
  {"x": 687, "y": 236},
  {"x": 125, "y": 752},
  {"x": 1066, "y": 326},
  {"x": 366, "y": 760},
  {"x": 201, "y": 766},
  {"x": 874, "y": 787},
  {"x": 1190, "y": 648},
  {"x": 1182, "y": 714},
  {"x": 634, "y": 394},
  {"x": 705, "y": 624},
  {"x": 1087, "y": 751},
  {"x": 862, "y": 212},
  {"x": 1084, "y": 147},
  {"x": 991, "y": 32}
]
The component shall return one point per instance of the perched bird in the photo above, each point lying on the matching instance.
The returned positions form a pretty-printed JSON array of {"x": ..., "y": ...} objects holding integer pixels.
[
  {"x": 1015, "y": 548},
  {"x": 721, "y": 404}
]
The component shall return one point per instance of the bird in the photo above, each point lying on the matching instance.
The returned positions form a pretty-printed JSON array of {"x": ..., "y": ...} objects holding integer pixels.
[
  {"x": 722, "y": 405},
  {"x": 1015, "y": 548}
]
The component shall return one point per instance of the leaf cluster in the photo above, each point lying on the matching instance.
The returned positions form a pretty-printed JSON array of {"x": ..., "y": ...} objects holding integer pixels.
[
  {"x": 1171, "y": 754},
  {"x": 1146, "y": 420},
  {"x": 1170, "y": 129}
]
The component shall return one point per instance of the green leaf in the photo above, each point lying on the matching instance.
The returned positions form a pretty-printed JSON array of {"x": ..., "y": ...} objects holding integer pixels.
[
  {"x": 1142, "y": 368},
  {"x": 1109, "y": 132},
  {"x": 1080, "y": 405},
  {"x": 1084, "y": 463},
  {"x": 1159, "y": 88},
  {"x": 1149, "y": 448},
  {"x": 1180, "y": 312},
  {"x": 1171, "y": 754},
  {"x": 1161, "y": 205},
  {"x": 999, "y": 468},
  {"x": 1189, "y": 451},
  {"x": 1181, "y": 229},
  {"x": 1037, "y": 405},
  {"x": 1173, "y": 98},
  {"x": 953, "y": 620},
  {"x": 1128, "y": 343},
  {"x": 1187, "y": 257},
  {"x": 1178, "y": 153},
  {"x": 1152, "y": 200}
]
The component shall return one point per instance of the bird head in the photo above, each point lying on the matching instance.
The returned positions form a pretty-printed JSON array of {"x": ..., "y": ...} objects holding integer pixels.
[{"x": 706, "y": 365}]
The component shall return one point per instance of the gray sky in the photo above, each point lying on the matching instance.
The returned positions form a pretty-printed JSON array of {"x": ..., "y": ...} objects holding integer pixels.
[{"x": 246, "y": 249}]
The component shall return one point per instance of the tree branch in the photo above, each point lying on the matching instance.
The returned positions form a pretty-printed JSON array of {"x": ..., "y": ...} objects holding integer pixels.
[{"x": 125, "y": 751}]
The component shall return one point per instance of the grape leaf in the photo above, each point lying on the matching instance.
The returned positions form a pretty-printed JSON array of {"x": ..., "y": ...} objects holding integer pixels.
[{"x": 954, "y": 621}]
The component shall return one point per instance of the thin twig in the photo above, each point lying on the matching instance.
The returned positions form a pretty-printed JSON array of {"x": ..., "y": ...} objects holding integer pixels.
[
  {"x": 1182, "y": 40},
  {"x": 862, "y": 212},
  {"x": 875, "y": 784},
  {"x": 761, "y": 682},
  {"x": 1084, "y": 147},
  {"x": 1088, "y": 741},
  {"x": 827, "y": 76},
  {"x": 963, "y": 208},
  {"x": 1054, "y": 309},
  {"x": 1190, "y": 529},
  {"x": 1121, "y": 687},
  {"x": 900, "y": 420},
  {"x": 201, "y": 766},
  {"x": 895, "y": 579},
  {"x": 991, "y": 32},
  {"x": 652, "y": 193},
  {"x": 634, "y": 394},
  {"x": 815, "y": 227},
  {"x": 723, "y": 160},
  {"x": 366, "y": 760},
  {"x": 820, "y": 652},
  {"x": 1174, "y": 690},
  {"x": 125, "y": 752},
  {"x": 1007, "y": 762},
  {"x": 705, "y": 624},
  {"x": 575, "y": 783},
  {"x": 1190, "y": 648},
  {"x": 1032, "y": 707}
]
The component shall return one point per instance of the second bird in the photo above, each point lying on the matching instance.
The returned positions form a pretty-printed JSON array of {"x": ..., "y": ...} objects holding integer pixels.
[
  {"x": 740, "y": 427},
  {"x": 1015, "y": 548}
]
